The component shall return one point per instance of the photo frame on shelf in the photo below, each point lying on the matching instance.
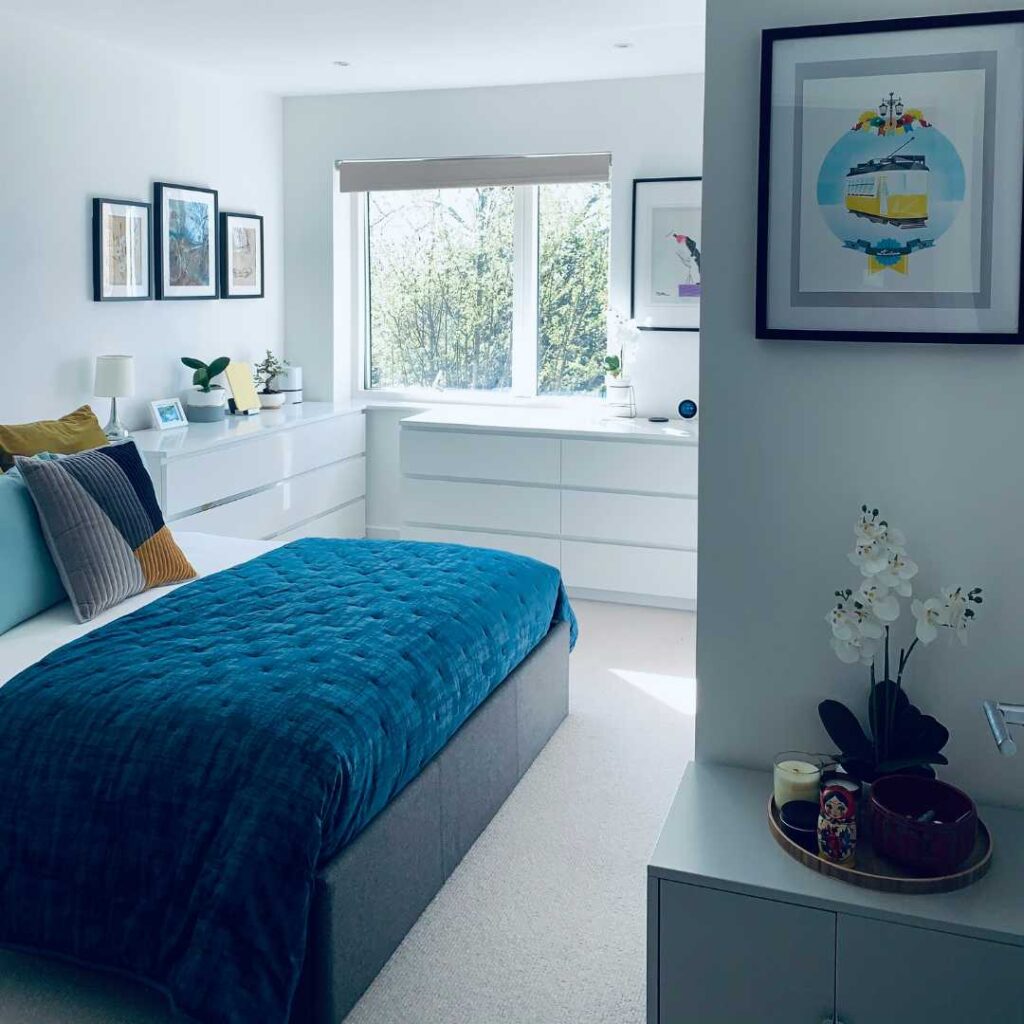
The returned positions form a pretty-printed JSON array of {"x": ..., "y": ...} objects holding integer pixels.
[
  {"x": 891, "y": 180},
  {"x": 167, "y": 414},
  {"x": 186, "y": 241},
  {"x": 665, "y": 282},
  {"x": 122, "y": 269},
  {"x": 241, "y": 256}
]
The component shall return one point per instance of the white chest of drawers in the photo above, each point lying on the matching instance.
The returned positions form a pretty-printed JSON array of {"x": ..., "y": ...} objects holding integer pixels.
[
  {"x": 612, "y": 503},
  {"x": 296, "y": 472}
]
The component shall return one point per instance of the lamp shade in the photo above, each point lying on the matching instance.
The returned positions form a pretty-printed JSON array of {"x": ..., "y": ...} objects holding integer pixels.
[{"x": 115, "y": 376}]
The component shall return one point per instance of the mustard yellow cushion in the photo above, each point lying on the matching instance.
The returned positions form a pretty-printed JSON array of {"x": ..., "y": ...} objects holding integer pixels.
[{"x": 76, "y": 432}]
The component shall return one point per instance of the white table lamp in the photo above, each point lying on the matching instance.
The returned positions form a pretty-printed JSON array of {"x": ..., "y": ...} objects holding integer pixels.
[{"x": 115, "y": 378}]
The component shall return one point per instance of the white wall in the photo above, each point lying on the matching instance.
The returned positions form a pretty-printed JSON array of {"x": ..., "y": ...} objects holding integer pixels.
[
  {"x": 82, "y": 119},
  {"x": 652, "y": 127},
  {"x": 795, "y": 436}
]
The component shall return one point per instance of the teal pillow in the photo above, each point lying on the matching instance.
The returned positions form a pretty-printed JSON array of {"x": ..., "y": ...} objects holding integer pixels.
[{"x": 31, "y": 583}]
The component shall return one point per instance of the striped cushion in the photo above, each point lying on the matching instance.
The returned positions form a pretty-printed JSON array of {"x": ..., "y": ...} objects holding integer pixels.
[{"x": 103, "y": 526}]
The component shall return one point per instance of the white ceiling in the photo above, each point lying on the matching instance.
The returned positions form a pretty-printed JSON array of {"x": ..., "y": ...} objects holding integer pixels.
[{"x": 288, "y": 46}]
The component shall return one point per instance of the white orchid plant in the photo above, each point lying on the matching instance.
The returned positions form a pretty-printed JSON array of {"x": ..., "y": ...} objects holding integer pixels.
[
  {"x": 862, "y": 621},
  {"x": 623, "y": 333}
]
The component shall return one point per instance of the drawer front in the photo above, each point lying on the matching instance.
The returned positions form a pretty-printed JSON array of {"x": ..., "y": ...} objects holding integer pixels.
[
  {"x": 532, "y": 460},
  {"x": 349, "y": 521},
  {"x": 484, "y": 506},
  {"x": 283, "y": 506},
  {"x": 650, "y": 571},
  {"x": 259, "y": 461},
  {"x": 728, "y": 959},
  {"x": 630, "y": 518},
  {"x": 625, "y": 466},
  {"x": 544, "y": 549}
]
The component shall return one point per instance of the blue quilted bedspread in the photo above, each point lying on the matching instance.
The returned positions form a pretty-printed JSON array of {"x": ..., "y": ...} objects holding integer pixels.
[{"x": 170, "y": 783}]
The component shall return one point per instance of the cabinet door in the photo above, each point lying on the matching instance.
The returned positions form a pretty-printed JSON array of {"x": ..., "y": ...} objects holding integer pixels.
[
  {"x": 727, "y": 959},
  {"x": 893, "y": 974}
]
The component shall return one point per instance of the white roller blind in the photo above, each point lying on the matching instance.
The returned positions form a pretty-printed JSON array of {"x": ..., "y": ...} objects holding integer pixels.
[{"x": 470, "y": 172}]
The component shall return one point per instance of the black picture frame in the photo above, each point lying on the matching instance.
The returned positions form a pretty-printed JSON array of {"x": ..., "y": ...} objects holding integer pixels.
[
  {"x": 226, "y": 291},
  {"x": 159, "y": 188},
  {"x": 98, "y": 285},
  {"x": 637, "y": 184},
  {"x": 769, "y": 37}
]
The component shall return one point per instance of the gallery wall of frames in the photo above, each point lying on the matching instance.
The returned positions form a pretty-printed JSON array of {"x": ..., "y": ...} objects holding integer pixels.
[{"x": 180, "y": 246}]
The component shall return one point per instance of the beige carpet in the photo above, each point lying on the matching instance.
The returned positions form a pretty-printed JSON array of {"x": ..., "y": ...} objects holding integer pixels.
[{"x": 544, "y": 921}]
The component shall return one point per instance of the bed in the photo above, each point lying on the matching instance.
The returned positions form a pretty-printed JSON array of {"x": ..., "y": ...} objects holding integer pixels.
[{"x": 389, "y": 831}]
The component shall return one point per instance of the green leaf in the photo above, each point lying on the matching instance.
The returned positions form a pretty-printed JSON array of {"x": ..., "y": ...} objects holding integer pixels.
[
  {"x": 193, "y": 364},
  {"x": 218, "y": 366},
  {"x": 201, "y": 377}
]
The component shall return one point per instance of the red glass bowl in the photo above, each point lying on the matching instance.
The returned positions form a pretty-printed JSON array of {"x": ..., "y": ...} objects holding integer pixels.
[{"x": 923, "y": 824}]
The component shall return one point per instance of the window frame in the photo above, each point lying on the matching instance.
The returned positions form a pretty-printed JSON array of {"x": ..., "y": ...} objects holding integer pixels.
[{"x": 525, "y": 315}]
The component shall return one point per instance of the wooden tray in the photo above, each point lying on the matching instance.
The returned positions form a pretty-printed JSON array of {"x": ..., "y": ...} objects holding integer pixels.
[{"x": 872, "y": 871}]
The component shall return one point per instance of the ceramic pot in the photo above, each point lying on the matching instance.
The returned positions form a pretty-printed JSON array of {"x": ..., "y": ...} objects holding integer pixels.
[
  {"x": 214, "y": 397},
  {"x": 272, "y": 401},
  {"x": 921, "y": 823}
]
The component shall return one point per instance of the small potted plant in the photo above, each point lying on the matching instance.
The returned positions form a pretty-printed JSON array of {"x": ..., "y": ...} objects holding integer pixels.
[
  {"x": 206, "y": 400},
  {"x": 263, "y": 374},
  {"x": 899, "y": 739},
  {"x": 618, "y": 388}
]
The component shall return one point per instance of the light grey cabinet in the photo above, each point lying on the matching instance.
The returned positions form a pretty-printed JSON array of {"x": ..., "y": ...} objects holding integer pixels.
[
  {"x": 727, "y": 959},
  {"x": 892, "y": 974},
  {"x": 740, "y": 933}
]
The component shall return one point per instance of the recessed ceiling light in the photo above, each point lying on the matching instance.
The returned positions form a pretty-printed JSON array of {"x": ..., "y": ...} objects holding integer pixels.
[
  {"x": 341, "y": 63},
  {"x": 623, "y": 46}
]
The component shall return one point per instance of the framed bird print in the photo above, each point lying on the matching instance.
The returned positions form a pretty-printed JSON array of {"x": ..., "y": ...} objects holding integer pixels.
[
  {"x": 665, "y": 284},
  {"x": 891, "y": 180}
]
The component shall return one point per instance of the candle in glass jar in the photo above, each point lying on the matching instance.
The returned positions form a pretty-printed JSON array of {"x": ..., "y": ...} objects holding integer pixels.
[{"x": 796, "y": 779}]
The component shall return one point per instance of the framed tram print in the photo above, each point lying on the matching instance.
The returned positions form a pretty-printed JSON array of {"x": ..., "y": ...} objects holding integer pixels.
[{"x": 891, "y": 180}]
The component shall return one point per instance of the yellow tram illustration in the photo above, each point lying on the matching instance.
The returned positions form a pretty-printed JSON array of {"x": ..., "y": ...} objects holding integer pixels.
[{"x": 892, "y": 190}]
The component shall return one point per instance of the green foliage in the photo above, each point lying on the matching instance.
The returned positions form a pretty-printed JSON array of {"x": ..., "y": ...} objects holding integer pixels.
[
  {"x": 441, "y": 287},
  {"x": 612, "y": 366},
  {"x": 204, "y": 373},
  {"x": 266, "y": 370}
]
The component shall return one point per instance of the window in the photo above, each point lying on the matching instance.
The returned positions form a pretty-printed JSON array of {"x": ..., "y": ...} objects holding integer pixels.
[{"x": 500, "y": 288}]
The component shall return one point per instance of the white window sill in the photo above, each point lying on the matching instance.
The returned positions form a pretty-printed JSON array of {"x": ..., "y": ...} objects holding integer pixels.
[{"x": 418, "y": 397}]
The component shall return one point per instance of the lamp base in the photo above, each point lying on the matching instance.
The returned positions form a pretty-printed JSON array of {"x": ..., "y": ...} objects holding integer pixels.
[{"x": 115, "y": 430}]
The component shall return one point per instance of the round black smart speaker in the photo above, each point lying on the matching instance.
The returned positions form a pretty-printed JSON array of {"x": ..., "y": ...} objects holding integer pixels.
[{"x": 687, "y": 408}]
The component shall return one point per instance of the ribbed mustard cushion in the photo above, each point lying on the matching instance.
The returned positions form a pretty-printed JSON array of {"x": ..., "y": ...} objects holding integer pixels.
[
  {"x": 76, "y": 432},
  {"x": 103, "y": 526}
]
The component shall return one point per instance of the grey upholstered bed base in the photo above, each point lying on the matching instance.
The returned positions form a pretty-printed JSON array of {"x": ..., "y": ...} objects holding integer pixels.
[{"x": 371, "y": 894}]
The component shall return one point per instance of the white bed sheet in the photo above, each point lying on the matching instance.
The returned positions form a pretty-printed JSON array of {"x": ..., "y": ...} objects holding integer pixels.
[{"x": 34, "y": 639}]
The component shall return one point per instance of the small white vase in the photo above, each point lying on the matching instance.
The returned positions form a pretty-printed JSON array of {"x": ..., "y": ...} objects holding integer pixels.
[
  {"x": 272, "y": 401},
  {"x": 212, "y": 398}
]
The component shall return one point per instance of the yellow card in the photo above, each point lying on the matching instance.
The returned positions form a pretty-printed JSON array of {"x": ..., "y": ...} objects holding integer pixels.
[{"x": 239, "y": 376}]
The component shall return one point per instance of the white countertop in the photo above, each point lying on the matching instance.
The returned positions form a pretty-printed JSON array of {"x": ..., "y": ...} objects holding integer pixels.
[
  {"x": 552, "y": 422},
  {"x": 716, "y": 835},
  {"x": 197, "y": 437}
]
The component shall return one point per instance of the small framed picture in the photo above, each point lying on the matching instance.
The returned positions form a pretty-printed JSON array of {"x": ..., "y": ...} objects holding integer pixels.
[
  {"x": 665, "y": 284},
  {"x": 891, "y": 180},
  {"x": 167, "y": 413},
  {"x": 121, "y": 267},
  {"x": 241, "y": 256},
  {"x": 186, "y": 241}
]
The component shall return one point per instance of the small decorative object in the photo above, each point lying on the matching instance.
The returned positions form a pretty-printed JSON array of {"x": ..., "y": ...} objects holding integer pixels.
[
  {"x": 902, "y": 739},
  {"x": 186, "y": 241},
  {"x": 289, "y": 382},
  {"x": 167, "y": 414},
  {"x": 121, "y": 269},
  {"x": 891, "y": 181},
  {"x": 799, "y": 820},
  {"x": 206, "y": 399},
  {"x": 115, "y": 378},
  {"x": 619, "y": 394},
  {"x": 837, "y": 821},
  {"x": 265, "y": 374},
  {"x": 665, "y": 285},
  {"x": 241, "y": 256},
  {"x": 923, "y": 824},
  {"x": 688, "y": 408},
  {"x": 244, "y": 400},
  {"x": 797, "y": 776}
]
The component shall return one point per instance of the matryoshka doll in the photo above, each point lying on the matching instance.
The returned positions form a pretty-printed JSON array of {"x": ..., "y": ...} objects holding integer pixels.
[{"x": 837, "y": 821}]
